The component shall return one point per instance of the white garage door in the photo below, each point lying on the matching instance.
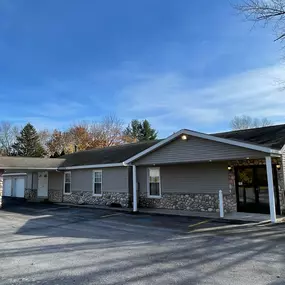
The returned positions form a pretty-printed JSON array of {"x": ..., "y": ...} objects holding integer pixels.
[
  {"x": 19, "y": 190},
  {"x": 7, "y": 187}
]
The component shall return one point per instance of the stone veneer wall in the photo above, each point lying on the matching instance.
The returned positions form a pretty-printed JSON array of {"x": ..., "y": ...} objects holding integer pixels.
[
  {"x": 106, "y": 199},
  {"x": 1, "y": 187},
  {"x": 55, "y": 195},
  {"x": 196, "y": 202},
  {"x": 31, "y": 194},
  {"x": 281, "y": 190}
]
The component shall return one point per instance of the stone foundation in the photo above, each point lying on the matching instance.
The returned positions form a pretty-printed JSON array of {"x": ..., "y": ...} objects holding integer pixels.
[
  {"x": 106, "y": 199},
  {"x": 281, "y": 187},
  {"x": 31, "y": 194},
  {"x": 55, "y": 195},
  {"x": 196, "y": 202},
  {"x": 190, "y": 202}
]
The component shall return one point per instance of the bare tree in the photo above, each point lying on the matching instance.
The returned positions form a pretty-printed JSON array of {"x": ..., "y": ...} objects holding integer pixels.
[
  {"x": 266, "y": 11},
  {"x": 247, "y": 122},
  {"x": 8, "y": 134},
  {"x": 44, "y": 136},
  {"x": 59, "y": 142},
  {"x": 108, "y": 132}
]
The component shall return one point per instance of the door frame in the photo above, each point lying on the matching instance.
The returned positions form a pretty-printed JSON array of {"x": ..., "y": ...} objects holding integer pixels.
[
  {"x": 47, "y": 184},
  {"x": 275, "y": 181}
]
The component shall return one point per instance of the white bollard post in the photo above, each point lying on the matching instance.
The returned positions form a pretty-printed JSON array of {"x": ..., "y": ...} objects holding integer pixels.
[{"x": 221, "y": 200}]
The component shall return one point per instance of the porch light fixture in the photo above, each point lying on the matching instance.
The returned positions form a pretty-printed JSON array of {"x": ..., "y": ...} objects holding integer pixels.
[
  {"x": 184, "y": 137},
  {"x": 278, "y": 166},
  {"x": 229, "y": 168}
]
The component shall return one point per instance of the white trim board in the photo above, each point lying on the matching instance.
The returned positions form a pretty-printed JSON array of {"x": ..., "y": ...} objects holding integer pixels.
[
  {"x": 14, "y": 174},
  {"x": 121, "y": 164},
  {"x": 202, "y": 136}
]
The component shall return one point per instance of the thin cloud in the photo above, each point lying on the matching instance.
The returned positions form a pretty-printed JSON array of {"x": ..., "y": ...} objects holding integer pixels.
[{"x": 171, "y": 99}]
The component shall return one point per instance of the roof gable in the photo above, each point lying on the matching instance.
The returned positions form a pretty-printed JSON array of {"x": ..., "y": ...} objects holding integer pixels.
[{"x": 206, "y": 137}]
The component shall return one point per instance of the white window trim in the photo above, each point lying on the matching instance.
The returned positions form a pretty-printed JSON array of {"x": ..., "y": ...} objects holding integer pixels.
[
  {"x": 148, "y": 188},
  {"x": 66, "y": 172},
  {"x": 93, "y": 182}
]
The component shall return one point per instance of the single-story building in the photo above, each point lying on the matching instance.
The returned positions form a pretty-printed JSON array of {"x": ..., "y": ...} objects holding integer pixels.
[{"x": 184, "y": 171}]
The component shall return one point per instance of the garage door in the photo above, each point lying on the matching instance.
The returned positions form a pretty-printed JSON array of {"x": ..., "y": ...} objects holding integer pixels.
[
  {"x": 7, "y": 187},
  {"x": 19, "y": 190}
]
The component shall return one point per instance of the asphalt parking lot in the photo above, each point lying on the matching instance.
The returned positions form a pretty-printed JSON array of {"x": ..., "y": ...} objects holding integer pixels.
[{"x": 50, "y": 244}]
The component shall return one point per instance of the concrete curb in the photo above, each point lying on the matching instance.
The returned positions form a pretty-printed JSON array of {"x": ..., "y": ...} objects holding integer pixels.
[{"x": 142, "y": 212}]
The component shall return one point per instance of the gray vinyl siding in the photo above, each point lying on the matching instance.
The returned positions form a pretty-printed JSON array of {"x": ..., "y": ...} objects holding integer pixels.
[
  {"x": 114, "y": 179},
  {"x": 32, "y": 180},
  {"x": 196, "y": 149},
  {"x": 205, "y": 178},
  {"x": 55, "y": 180},
  {"x": 81, "y": 180}
]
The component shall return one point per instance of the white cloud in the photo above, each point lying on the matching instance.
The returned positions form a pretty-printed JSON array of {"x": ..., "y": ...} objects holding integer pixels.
[{"x": 171, "y": 100}]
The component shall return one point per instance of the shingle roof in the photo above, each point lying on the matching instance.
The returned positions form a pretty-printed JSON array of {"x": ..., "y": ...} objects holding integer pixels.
[
  {"x": 272, "y": 136},
  {"x": 113, "y": 154},
  {"x": 29, "y": 162}
]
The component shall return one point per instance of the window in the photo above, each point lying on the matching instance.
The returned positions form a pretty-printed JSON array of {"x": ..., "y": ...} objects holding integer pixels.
[
  {"x": 154, "y": 189},
  {"x": 97, "y": 182},
  {"x": 67, "y": 183}
]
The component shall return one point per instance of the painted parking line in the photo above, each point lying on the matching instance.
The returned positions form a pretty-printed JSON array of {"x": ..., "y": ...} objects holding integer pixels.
[
  {"x": 198, "y": 224},
  {"x": 111, "y": 215}
]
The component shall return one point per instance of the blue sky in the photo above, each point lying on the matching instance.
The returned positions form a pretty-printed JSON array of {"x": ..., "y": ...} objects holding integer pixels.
[{"x": 180, "y": 64}]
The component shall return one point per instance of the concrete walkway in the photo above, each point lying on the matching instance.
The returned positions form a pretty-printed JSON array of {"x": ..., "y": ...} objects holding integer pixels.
[{"x": 235, "y": 217}]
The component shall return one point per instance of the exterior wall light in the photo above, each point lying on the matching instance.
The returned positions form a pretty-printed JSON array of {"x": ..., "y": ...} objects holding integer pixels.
[
  {"x": 229, "y": 168},
  {"x": 184, "y": 137},
  {"x": 278, "y": 166}
]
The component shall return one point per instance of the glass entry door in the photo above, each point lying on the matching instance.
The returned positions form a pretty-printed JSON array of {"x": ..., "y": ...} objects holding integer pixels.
[{"x": 252, "y": 189}]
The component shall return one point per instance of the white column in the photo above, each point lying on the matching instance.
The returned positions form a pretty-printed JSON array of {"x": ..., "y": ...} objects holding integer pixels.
[
  {"x": 270, "y": 189},
  {"x": 135, "y": 198}
]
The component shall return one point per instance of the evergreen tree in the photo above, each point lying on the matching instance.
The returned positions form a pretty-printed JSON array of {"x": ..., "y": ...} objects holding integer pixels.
[
  {"x": 147, "y": 133},
  {"x": 62, "y": 153},
  {"x": 28, "y": 143},
  {"x": 133, "y": 130},
  {"x": 140, "y": 131}
]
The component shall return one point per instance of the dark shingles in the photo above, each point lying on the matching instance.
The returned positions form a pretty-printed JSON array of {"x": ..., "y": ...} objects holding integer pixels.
[
  {"x": 272, "y": 136},
  {"x": 114, "y": 154},
  {"x": 29, "y": 162}
]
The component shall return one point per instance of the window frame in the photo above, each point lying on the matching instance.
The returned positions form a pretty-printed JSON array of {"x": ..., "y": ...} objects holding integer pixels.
[
  {"x": 64, "y": 182},
  {"x": 148, "y": 184},
  {"x": 93, "y": 183}
]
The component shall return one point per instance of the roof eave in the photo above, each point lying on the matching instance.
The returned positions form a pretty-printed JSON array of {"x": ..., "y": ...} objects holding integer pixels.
[
  {"x": 120, "y": 164},
  {"x": 27, "y": 168}
]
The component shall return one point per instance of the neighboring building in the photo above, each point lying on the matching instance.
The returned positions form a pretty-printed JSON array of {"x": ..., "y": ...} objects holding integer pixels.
[{"x": 184, "y": 171}]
